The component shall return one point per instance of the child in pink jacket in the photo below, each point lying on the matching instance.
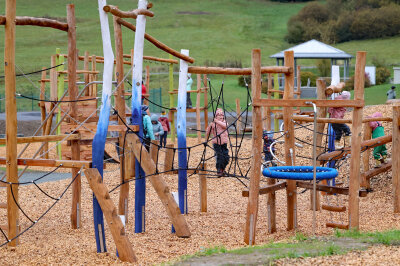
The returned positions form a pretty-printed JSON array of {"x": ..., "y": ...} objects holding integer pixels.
[
  {"x": 219, "y": 130},
  {"x": 339, "y": 128}
]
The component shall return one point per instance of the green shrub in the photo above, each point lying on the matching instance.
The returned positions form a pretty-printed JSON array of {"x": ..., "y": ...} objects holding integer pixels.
[
  {"x": 350, "y": 83},
  {"x": 324, "y": 67},
  {"x": 382, "y": 75},
  {"x": 308, "y": 75},
  {"x": 241, "y": 81}
]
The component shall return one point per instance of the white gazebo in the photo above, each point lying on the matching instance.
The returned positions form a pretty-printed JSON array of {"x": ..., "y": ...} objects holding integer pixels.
[{"x": 314, "y": 49}]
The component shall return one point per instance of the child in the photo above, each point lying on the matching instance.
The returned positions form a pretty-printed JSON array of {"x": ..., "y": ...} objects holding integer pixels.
[
  {"x": 380, "y": 152},
  {"x": 338, "y": 128},
  {"x": 148, "y": 135},
  {"x": 165, "y": 124},
  {"x": 158, "y": 130},
  {"x": 268, "y": 137},
  {"x": 219, "y": 129}
]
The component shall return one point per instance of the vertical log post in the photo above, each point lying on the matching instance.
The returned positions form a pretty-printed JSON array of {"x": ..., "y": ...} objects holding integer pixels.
[
  {"x": 60, "y": 92},
  {"x": 120, "y": 106},
  {"x": 73, "y": 94},
  {"x": 203, "y": 187},
  {"x": 43, "y": 108},
  {"x": 252, "y": 206},
  {"x": 276, "y": 96},
  {"x": 205, "y": 100},
  {"x": 321, "y": 113},
  {"x": 86, "y": 67},
  {"x": 364, "y": 182},
  {"x": 396, "y": 159},
  {"x": 93, "y": 89},
  {"x": 11, "y": 122},
  {"x": 239, "y": 121},
  {"x": 354, "y": 185},
  {"x": 169, "y": 157},
  {"x": 290, "y": 157},
  {"x": 198, "y": 118},
  {"x": 171, "y": 115},
  {"x": 268, "y": 108}
]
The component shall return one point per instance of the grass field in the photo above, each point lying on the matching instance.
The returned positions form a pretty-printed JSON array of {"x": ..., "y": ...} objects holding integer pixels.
[{"x": 216, "y": 32}]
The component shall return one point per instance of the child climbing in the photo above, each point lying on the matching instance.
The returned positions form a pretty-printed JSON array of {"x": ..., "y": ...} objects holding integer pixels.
[
  {"x": 339, "y": 128},
  {"x": 158, "y": 130},
  {"x": 148, "y": 135},
  {"x": 165, "y": 124},
  {"x": 220, "y": 140},
  {"x": 268, "y": 138},
  {"x": 380, "y": 152}
]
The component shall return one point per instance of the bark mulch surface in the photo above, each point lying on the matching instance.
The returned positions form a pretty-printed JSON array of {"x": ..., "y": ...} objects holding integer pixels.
[{"x": 52, "y": 241}]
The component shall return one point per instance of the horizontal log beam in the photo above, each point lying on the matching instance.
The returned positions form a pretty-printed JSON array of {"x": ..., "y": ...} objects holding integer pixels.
[
  {"x": 304, "y": 103},
  {"x": 333, "y": 120},
  {"x": 237, "y": 71},
  {"x": 329, "y": 189},
  {"x": 157, "y": 59},
  {"x": 50, "y": 163},
  {"x": 376, "y": 171},
  {"x": 49, "y": 138},
  {"x": 156, "y": 43},
  {"x": 335, "y": 155},
  {"x": 335, "y": 88},
  {"x": 127, "y": 14},
  {"x": 267, "y": 189},
  {"x": 90, "y": 127},
  {"x": 41, "y": 22}
]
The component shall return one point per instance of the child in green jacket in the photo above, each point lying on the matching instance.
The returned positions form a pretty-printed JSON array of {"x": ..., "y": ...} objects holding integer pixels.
[{"x": 380, "y": 152}]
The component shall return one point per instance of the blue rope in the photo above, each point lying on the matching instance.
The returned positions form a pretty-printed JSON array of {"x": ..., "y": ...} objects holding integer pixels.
[{"x": 300, "y": 172}]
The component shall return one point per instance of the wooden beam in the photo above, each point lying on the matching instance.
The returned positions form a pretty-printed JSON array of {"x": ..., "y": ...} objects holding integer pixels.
[
  {"x": 303, "y": 118},
  {"x": 368, "y": 144},
  {"x": 48, "y": 138},
  {"x": 128, "y": 172},
  {"x": 357, "y": 103},
  {"x": 376, "y": 171},
  {"x": 335, "y": 88},
  {"x": 268, "y": 189},
  {"x": 49, "y": 163},
  {"x": 41, "y": 22},
  {"x": 198, "y": 118},
  {"x": 163, "y": 192},
  {"x": 330, "y": 189},
  {"x": 156, "y": 43},
  {"x": 396, "y": 159},
  {"x": 169, "y": 158},
  {"x": 121, "y": 240},
  {"x": 237, "y": 71},
  {"x": 93, "y": 127},
  {"x": 252, "y": 206},
  {"x": 364, "y": 182},
  {"x": 127, "y": 14},
  {"x": 203, "y": 187},
  {"x": 11, "y": 121}
]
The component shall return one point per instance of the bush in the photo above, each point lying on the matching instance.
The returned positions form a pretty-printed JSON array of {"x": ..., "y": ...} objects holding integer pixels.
[
  {"x": 308, "y": 75},
  {"x": 241, "y": 82},
  {"x": 382, "y": 75},
  {"x": 324, "y": 67},
  {"x": 350, "y": 83}
]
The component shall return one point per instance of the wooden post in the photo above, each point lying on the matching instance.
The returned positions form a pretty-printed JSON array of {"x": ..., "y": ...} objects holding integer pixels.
[
  {"x": 354, "y": 185},
  {"x": 276, "y": 96},
  {"x": 252, "y": 206},
  {"x": 86, "y": 67},
  {"x": 321, "y": 113},
  {"x": 290, "y": 157},
  {"x": 169, "y": 157},
  {"x": 396, "y": 159},
  {"x": 268, "y": 108},
  {"x": 124, "y": 247},
  {"x": 171, "y": 115},
  {"x": 73, "y": 93},
  {"x": 11, "y": 122},
  {"x": 163, "y": 192},
  {"x": 205, "y": 100},
  {"x": 60, "y": 92},
  {"x": 128, "y": 159},
  {"x": 364, "y": 182},
  {"x": 271, "y": 207},
  {"x": 239, "y": 121},
  {"x": 120, "y": 106},
  {"x": 43, "y": 108},
  {"x": 93, "y": 89},
  {"x": 203, "y": 187},
  {"x": 198, "y": 118}
]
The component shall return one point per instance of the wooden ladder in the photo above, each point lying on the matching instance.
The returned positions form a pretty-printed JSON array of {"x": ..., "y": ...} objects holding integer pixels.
[{"x": 333, "y": 208}]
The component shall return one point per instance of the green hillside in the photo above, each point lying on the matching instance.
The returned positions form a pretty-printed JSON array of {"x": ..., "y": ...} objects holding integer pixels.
[{"x": 216, "y": 32}]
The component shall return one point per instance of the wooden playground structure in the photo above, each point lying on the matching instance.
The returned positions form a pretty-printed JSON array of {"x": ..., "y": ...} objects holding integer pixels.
[{"x": 78, "y": 122}]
